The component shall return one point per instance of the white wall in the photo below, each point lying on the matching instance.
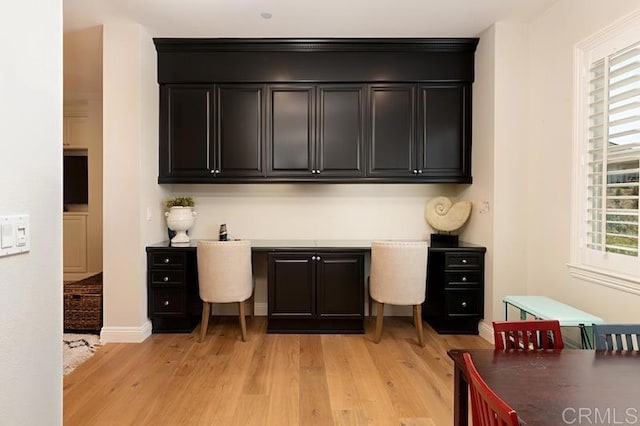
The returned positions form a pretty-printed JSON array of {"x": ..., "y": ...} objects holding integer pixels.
[
  {"x": 313, "y": 211},
  {"x": 31, "y": 183},
  {"x": 129, "y": 130},
  {"x": 553, "y": 36},
  {"x": 479, "y": 229},
  {"x": 510, "y": 163}
]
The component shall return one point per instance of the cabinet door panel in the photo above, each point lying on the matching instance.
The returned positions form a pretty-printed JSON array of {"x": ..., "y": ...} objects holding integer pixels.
[
  {"x": 442, "y": 130},
  {"x": 240, "y": 130},
  {"x": 291, "y": 285},
  {"x": 76, "y": 132},
  {"x": 291, "y": 130},
  {"x": 340, "y": 131},
  {"x": 189, "y": 131},
  {"x": 392, "y": 119},
  {"x": 74, "y": 237},
  {"x": 340, "y": 285}
]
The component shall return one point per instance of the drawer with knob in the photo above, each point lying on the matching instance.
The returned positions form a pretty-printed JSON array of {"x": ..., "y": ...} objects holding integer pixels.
[
  {"x": 462, "y": 303},
  {"x": 166, "y": 260},
  {"x": 165, "y": 277},
  {"x": 462, "y": 260},
  {"x": 463, "y": 279},
  {"x": 167, "y": 301}
]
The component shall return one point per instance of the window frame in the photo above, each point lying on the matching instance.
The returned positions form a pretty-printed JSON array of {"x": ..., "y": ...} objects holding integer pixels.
[{"x": 603, "y": 269}]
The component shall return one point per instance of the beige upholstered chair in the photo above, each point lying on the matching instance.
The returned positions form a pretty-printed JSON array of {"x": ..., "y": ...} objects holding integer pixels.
[
  {"x": 224, "y": 276},
  {"x": 398, "y": 277}
]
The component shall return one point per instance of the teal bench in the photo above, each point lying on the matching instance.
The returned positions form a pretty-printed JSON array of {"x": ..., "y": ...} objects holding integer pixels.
[{"x": 542, "y": 307}]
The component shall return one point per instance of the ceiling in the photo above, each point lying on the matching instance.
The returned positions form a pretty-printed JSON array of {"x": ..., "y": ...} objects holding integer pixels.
[{"x": 304, "y": 18}]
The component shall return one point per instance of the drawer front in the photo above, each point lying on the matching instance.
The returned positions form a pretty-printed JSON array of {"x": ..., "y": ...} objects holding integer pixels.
[
  {"x": 167, "y": 277},
  {"x": 463, "y": 279},
  {"x": 463, "y": 303},
  {"x": 166, "y": 301},
  {"x": 167, "y": 260},
  {"x": 455, "y": 260}
]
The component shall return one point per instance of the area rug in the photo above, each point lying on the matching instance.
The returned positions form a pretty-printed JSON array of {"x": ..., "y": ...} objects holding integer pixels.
[{"x": 77, "y": 348}]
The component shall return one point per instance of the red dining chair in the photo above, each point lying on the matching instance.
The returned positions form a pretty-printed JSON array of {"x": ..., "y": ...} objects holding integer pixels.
[
  {"x": 527, "y": 335},
  {"x": 487, "y": 408}
]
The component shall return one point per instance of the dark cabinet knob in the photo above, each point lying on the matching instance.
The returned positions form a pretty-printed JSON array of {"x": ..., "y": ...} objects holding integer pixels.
[
  {"x": 166, "y": 303},
  {"x": 464, "y": 261},
  {"x": 166, "y": 260},
  {"x": 165, "y": 279},
  {"x": 464, "y": 304}
]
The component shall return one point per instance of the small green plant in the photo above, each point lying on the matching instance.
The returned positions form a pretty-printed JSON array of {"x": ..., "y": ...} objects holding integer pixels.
[{"x": 180, "y": 202}]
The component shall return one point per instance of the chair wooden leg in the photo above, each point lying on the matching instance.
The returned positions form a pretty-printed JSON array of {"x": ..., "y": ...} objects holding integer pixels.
[
  {"x": 378, "y": 335},
  {"x": 252, "y": 301},
  {"x": 243, "y": 324},
  {"x": 204, "y": 324},
  {"x": 417, "y": 322},
  {"x": 370, "y": 299}
]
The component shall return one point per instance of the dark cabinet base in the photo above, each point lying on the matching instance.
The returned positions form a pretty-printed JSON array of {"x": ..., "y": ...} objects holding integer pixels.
[
  {"x": 454, "y": 302},
  {"x": 314, "y": 326},
  {"x": 174, "y": 325},
  {"x": 316, "y": 291},
  {"x": 454, "y": 326}
]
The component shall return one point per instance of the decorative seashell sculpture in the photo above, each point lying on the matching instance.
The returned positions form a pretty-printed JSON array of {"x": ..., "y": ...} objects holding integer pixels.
[{"x": 444, "y": 216}]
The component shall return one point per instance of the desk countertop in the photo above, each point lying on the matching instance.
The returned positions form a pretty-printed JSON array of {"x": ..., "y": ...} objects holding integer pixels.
[{"x": 298, "y": 244}]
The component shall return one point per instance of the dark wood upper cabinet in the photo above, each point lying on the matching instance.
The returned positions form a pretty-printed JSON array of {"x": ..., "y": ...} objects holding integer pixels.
[
  {"x": 185, "y": 117},
  {"x": 340, "y": 131},
  {"x": 425, "y": 137},
  {"x": 240, "y": 131},
  {"x": 211, "y": 132},
  {"x": 444, "y": 129},
  {"x": 315, "y": 132},
  {"x": 392, "y": 150},
  {"x": 315, "y": 110},
  {"x": 291, "y": 130}
]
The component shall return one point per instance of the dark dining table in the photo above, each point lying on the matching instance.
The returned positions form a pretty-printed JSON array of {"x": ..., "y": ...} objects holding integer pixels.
[{"x": 564, "y": 387}]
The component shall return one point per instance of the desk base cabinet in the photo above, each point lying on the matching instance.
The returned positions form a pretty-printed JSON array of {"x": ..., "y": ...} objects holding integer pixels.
[
  {"x": 315, "y": 292},
  {"x": 174, "y": 304},
  {"x": 454, "y": 301}
]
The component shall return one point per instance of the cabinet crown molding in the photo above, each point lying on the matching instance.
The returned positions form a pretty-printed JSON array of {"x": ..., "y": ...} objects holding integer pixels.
[{"x": 316, "y": 44}]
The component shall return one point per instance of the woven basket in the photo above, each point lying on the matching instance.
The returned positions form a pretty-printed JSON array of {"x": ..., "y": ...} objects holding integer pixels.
[{"x": 83, "y": 304}]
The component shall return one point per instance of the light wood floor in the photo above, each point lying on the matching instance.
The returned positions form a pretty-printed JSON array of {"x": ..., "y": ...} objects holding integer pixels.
[{"x": 273, "y": 379}]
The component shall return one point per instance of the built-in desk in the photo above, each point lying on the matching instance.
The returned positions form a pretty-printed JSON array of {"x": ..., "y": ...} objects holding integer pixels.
[
  {"x": 317, "y": 286},
  {"x": 313, "y": 286}
]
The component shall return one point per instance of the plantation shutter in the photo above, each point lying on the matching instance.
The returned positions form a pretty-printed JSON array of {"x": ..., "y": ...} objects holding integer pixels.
[{"x": 614, "y": 152}]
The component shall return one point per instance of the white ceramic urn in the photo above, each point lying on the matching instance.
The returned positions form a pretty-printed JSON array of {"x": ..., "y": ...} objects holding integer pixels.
[{"x": 180, "y": 219}]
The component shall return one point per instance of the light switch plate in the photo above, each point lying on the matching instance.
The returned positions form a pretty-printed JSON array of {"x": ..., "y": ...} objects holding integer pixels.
[
  {"x": 15, "y": 235},
  {"x": 7, "y": 234}
]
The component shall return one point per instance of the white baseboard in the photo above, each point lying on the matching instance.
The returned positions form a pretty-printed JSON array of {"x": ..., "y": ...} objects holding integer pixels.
[
  {"x": 125, "y": 334},
  {"x": 486, "y": 331}
]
